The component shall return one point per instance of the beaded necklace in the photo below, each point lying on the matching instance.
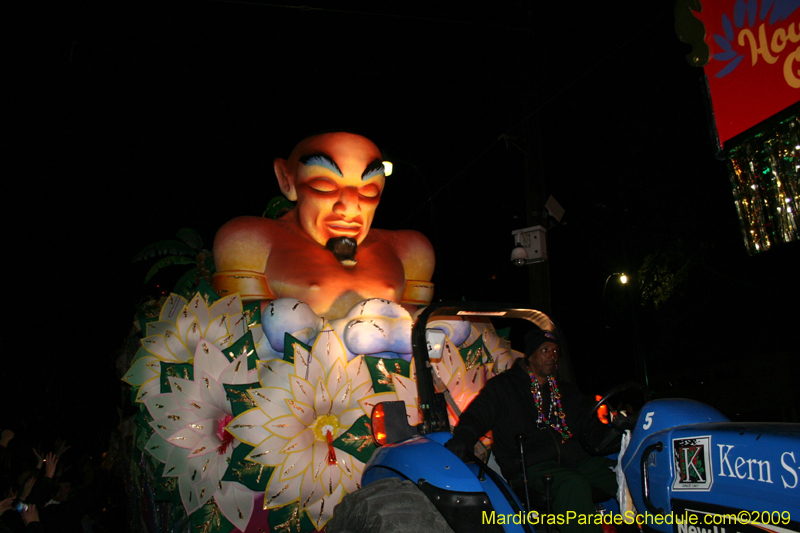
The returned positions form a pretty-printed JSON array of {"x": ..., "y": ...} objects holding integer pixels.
[{"x": 555, "y": 416}]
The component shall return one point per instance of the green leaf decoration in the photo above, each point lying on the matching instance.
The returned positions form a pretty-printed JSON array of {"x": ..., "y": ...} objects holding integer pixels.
[
  {"x": 381, "y": 370},
  {"x": 174, "y": 370},
  {"x": 244, "y": 346},
  {"x": 136, "y": 455},
  {"x": 142, "y": 429},
  {"x": 277, "y": 206},
  {"x": 288, "y": 347},
  {"x": 166, "y": 488},
  {"x": 191, "y": 238},
  {"x": 169, "y": 247},
  {"x": 357, "y": 441},
  {"x": 147, "y": 312},
  {"x": 142, "y": 418},
  {"x": 254, "y": 476},
  {"x": 185, "y": 286},
  {"x": 504, "y": 333},
  {"x": 475, "y": 354},
  {"x": 206, "y": 291},
  {"x": 209, "y": 263},
  {"x": 209, "y": 519},
  {"x": 238, "y": 397},
  {"x": 168, "y": 261},
  {"x": 289, "y": 519},
  {"x": 134, "y": 392},
  {"x": 253, "y": 312}
]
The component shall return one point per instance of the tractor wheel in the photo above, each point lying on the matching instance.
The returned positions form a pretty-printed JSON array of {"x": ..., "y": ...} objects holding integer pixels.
[{"x": 387, "y": 506}]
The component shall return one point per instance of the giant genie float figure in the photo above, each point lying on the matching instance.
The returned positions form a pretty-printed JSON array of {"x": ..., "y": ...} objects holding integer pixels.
[
  {"x": 324, "y": 251},
  {"x": 259, "y": 421}
]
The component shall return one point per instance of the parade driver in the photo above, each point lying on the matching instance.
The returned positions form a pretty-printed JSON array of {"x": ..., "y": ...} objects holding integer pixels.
[
  {"x": 324, "y": 251},
  {"x": 527, "y": 400}
]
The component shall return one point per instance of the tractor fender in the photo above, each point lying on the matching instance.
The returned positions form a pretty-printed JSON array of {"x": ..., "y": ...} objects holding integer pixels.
[
  {"x": 422, "y": 457},
  {"x": 659, "y": 415}
]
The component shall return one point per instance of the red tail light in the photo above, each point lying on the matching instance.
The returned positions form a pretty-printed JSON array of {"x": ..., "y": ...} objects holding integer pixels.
[{"x": 378, "y": 425}]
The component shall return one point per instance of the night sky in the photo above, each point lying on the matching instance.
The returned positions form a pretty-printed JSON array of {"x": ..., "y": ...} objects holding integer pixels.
[{"x": 133, "y": 120}]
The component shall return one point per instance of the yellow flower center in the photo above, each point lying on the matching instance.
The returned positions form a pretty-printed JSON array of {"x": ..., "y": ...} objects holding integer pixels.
[{"x": 325, "y": 424}]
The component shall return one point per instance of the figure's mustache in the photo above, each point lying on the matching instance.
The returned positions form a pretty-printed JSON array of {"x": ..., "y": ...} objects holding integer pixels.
[{"x": 343, "y": 249}]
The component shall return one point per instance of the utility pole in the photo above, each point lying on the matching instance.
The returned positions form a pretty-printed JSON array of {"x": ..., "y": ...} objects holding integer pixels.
[{"x": 536, "y": 215}]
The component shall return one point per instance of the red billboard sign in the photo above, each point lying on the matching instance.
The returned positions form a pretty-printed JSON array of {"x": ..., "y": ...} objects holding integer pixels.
[{"x": 753, "y": 67}]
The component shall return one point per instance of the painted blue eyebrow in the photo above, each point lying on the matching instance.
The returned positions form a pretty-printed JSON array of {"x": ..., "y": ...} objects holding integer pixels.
[
  {"x": 323, "y": 160},
  {"x": 373, "y": 169}
]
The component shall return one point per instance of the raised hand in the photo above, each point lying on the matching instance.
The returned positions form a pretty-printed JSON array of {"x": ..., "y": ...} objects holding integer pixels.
[
  {"x": 26, "y": 490},
  {"x": 5, "y": 437},
  {"x": 5, "y": 505},
  {"x": 50, "y": 463},
  {"x": 39, "y": 457},
  {"x": 30, "y": 514},
  {"x": 61, "y": 447}
]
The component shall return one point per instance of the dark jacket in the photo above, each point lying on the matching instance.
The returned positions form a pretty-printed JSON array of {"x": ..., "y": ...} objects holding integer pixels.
[{"x": 506, "y": 406}]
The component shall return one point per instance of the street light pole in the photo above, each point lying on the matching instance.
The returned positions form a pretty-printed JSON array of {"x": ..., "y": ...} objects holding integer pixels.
[
  {"x": 638, "y": 356},
  {"x": 623, "y": 279}
]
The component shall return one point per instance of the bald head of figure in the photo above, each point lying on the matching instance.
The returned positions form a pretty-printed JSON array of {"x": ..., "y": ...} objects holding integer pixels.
[{"x": 337, "y": 180}]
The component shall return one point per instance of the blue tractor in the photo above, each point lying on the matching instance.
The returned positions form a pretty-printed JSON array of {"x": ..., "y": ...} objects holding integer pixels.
[{"x": 688, "y": 468}]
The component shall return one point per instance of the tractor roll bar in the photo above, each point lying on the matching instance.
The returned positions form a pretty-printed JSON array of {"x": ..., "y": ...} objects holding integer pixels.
[{"x": 433, "y": 411}]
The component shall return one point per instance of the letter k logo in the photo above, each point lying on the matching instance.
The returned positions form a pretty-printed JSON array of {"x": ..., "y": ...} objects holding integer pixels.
[{"x": 691, "y": 463}]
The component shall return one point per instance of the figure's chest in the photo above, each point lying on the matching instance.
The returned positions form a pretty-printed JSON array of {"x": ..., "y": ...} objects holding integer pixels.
[{"x": 313, "y": 274}]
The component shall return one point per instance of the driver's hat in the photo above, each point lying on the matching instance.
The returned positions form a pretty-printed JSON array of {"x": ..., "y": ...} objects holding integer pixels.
[{"x": 536, "y": 338}]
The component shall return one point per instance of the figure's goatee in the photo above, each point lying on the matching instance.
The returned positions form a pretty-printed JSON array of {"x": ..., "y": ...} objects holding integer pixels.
[{"x": 343, "y": 249}]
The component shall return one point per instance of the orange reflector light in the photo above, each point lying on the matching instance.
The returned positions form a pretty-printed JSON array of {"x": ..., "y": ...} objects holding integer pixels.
[
  {"x": 378, "y": 426},
  {"x": 602, "y": 411}
]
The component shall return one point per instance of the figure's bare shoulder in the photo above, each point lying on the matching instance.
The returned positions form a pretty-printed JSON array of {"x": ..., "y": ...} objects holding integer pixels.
[
  {"x": 244, "y": 243},
  {"x": 415, "y": 252}
]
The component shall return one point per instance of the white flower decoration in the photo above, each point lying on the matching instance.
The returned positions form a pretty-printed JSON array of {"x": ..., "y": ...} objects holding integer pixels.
[
  {"x": 301, "y": 409},
  {"x": 190, "y": 436},
  {"x": 181, "y": 325},
  {"x": 189, "y": 422}
]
